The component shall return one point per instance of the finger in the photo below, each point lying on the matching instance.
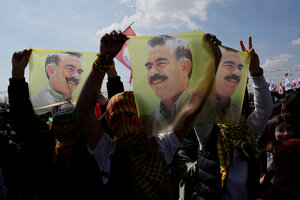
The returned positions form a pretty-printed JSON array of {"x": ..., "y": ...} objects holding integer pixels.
[
  {"x": 207, "y": 36},
  {"x": 242, "y": 45},
  {"x": 114, "y": 34},
  {"x": 250, "y": 42},
  {"x": 213, "y": 37},
  {"x": 14, "y": 57},
  {"x": 29, "y": 50},
  {"x": 252, "y": 51},
  {"x": 217, "y": 42},
  {"x": 105, "y": 37},
  {"x": 27, "y": 53},
  {"x": 20, "y": 54},
  {"x": 120, "y": 35}
]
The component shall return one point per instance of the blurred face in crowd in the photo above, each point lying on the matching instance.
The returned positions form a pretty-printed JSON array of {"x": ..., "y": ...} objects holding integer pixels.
[
  {"x": 229, "y": 74},
  {"x": 283, "y": 132},
  {"x": 167, "y": 76},
  {"x": 66, "y": 76}
]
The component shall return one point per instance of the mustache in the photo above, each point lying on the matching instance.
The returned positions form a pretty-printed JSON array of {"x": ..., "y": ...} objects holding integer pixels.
[
  {"x": 73, "y": 79},
  {"x": 233, "y": 76},
  {"x": 157, "y": 76}
]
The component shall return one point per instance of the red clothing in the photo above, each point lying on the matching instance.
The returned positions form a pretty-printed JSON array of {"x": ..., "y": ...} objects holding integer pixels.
[
  {"x": 98, "y": 111},
  {"x": 287, "y": 165}
]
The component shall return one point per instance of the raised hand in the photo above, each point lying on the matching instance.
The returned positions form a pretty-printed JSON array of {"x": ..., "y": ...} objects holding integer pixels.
[
  {"x": 112, "y": 43},
  {"x": 254, "y": 63},
  {"x": 19, "y": 62},
  {"x": 214, "y": 42}
]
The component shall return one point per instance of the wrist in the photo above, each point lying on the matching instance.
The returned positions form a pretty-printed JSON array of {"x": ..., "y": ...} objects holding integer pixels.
[
  {"x": 257, "y": 73},
  {"x": 103, "y": 63},
  {"x": 17, "y": 75},
  {"x": 112, "y": 74}
]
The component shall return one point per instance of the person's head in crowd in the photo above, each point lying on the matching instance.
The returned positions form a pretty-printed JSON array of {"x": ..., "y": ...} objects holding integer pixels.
[
  {"x": 289, "y": 91},
  {"x": 65, "y": 127},
  {"x": 280, "y": 129},
  {"x": 291, "y": 106},
  {"x": 287, "y": 165},
  {"x": 276, "y": 98},
  {"x": 64, "y": 68},
  {"x": 169, "y": 64},
  {"x": 122, "y": 109},
  {"x": 229, "y": 73},
  {"x": 122, "y": 116}
]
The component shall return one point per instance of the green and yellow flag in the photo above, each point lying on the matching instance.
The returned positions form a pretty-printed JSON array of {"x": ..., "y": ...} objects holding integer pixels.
[
  {"x": 174, "y": 77},
  {"x": 56, "y": 77},
  {"x": 176, "y": 74}
]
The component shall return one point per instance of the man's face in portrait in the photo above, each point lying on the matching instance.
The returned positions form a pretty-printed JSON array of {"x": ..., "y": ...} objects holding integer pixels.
[
  {"x": 66, "y": 76},
  {"x": 229, "y": 74},
  {"x": 166, "y": 76}
]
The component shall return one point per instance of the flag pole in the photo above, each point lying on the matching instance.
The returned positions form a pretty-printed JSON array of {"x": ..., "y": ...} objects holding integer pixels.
[{"x": 128, "y": 26}]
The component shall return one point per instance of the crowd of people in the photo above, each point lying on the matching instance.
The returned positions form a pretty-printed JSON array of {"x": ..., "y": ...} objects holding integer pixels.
[{"x": 101, "y": 149}]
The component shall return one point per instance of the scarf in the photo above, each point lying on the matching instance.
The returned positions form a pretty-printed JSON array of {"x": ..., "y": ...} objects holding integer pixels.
[
  {"x": 147, "y": 162},
  {"x": 237, "y": 137},
  {"x": 66, "y": 132}
]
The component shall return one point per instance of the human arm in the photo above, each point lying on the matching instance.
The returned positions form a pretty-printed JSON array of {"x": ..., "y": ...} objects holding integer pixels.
[
  {"x": 214, "y": 42},
  {"x": 30, "y": 129},
  {"x": 111, "y": 44},
  {"x": 114, "y": 84},
  {"x": 24, "y": 118},
  {"x": 258, "y": 119},
  {"x": 85, "y": 108},
  {"x": 19, "y": 62}
]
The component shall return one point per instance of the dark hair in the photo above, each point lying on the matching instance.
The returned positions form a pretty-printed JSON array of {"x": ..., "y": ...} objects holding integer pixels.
[
  {"x": 53, "y": 58},
  {"x": 291, "y": 103},
  {"x": 271, "y": 142},
  {"x": 182, "y": 50}
]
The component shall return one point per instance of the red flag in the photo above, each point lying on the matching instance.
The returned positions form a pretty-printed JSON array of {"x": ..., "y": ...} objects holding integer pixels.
[
  {"x": 294, "y": 83},
  {"x": 280, "y": 90},
  {"x": 123, "y": 55},
  {"x": 98, "y": 111},
  {"x": 280, "y": 84},
  {"x": 286, "y": 73}
]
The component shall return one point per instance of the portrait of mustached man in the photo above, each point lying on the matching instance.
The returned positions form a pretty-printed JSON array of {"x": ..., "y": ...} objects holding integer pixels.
[
  {"x": 169, "y": 68},
  {"x": 63, "y": 71},
  {"x": 228, "y": 78}
]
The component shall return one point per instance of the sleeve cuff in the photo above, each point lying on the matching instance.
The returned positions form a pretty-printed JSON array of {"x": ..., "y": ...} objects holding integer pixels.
[{"x": 258, "y": 81}]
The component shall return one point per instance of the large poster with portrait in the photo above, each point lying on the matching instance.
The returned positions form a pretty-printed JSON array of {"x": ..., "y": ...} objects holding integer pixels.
[
  {"x": 56, "y": 77},
  {"x": 168, "y": 70}
]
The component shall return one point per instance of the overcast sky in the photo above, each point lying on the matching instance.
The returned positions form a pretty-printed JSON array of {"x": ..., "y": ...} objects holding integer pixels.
[{"x": 78, "y": 25}]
